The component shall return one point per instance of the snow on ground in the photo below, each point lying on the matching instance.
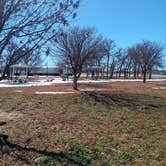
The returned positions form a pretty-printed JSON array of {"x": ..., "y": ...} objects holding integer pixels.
[
  {"x": 159, "y": 88},
  {"x": 71, "y": 92},
  {"x": 44, "y": 82},
  {"x": 52, "y": 93},
  {"x": 19, "y": 91}
]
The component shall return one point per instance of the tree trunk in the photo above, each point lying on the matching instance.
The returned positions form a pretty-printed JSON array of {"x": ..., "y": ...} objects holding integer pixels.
[
  {"x": 135, "y": 74},
  {"x": 135, "y": 71},
  {"x": 125, "y": 74},
  {"x": 144, "y": 74},
  {"x": 111, "y": 73},
  {"x": 138, "y": 71},
  {"x": 93, "y": 75},
  {"x": 150, "y": 73},
  {"x": 120, "y": 73},
  {"x": 129, "y": 74},
  {"x": 112, "y": 68},
  {"x": 120, "y": 70},
  {"x": 87, "y": 73},
  {"x": 116, "y": 74},
  {"x": 108, "y": 59},
  {"x": 5, "y": 71},
  {"x": 144, "y": 77},
  {"x": 75, "y": 84}
]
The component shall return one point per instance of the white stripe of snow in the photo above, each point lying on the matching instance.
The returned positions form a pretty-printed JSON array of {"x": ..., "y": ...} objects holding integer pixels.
[
  {"x": 158, "y": 88},
  {"x": 40, "y": 93},
  {"x": 5, "y": 83}
]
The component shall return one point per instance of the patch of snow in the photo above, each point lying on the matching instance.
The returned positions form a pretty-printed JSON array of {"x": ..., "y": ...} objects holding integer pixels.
[
  {"x": 44, "y": 82},
  {"x": 159, "y": 88},
  {"x": 19, "y": 91},
  {"x": 162, "y": 87},
  {"x": 47, "y": 93},
  {"x": 89, "y": 89},
  {"x": 155, "y": 88}
]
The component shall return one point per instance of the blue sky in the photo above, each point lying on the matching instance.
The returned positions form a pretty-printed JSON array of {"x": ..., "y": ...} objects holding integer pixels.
[{"x": 125, "y": 21}]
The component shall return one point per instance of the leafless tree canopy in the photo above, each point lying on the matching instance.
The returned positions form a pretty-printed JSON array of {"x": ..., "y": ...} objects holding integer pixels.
[
  {"x": 79, "y": 46},
  {"x": 147, "y": 55},
  {"x": 28, "y": 24},
  {"x": 109, "y": 46}
]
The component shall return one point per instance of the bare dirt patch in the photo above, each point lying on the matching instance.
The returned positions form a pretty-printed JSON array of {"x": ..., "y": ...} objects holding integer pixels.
[{"x": 9, "y": 115}]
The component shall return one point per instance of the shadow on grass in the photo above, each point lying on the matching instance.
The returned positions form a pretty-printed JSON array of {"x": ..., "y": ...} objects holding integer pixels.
[
  {"x": 125, "y": 100},
  {"x": 61, "y": 157},
  {"x": 97, "y": 98}
]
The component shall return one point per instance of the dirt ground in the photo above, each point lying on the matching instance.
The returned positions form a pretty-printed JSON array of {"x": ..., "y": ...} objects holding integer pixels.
[
  {"x": 126, "y": 118},
  {"x": 114, "y": 86}
]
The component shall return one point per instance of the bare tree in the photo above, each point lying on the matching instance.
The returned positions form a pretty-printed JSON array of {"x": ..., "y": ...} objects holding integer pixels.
[
  {"x": 32, "y": 58},
  {"x": 135, "y": 65},
  {"x": 109, "y": 46},
  {"x": 121, "y": 59},
  {"x": 61, "y": 66},
  {"x": 13, "y": 54},
  {"x": 148, "y": 55},
  {"x": 78, "y": 46},
  {"x": 112, "y": 67},
  {"x": 31, "y": 23}
]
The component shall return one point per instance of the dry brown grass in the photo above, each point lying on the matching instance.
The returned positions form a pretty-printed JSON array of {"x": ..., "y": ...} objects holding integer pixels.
[{"x": 126, "y": 119}]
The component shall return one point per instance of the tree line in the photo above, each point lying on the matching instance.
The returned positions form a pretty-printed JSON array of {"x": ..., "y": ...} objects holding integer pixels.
[
  {"x": 82, "y": 47},
  {"x": 29, "y": 27}
]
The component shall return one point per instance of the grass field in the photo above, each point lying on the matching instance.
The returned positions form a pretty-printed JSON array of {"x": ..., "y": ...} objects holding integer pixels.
[{"x": 113, "y": 124}]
